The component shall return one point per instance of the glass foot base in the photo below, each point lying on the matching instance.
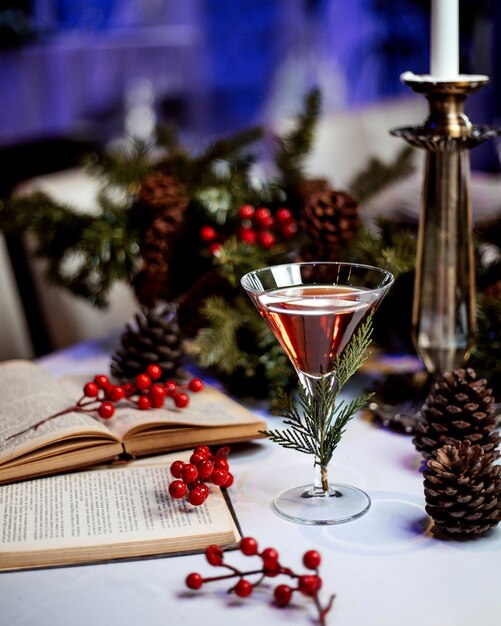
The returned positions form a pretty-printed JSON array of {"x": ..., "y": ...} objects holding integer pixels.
[{"x": 303, "y": 505}]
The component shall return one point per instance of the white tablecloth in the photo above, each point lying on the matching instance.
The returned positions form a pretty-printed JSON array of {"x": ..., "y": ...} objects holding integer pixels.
[{"x": 385, "y": 568}]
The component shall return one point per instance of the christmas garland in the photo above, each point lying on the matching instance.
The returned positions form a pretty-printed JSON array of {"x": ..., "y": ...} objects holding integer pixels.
[{"x": 182, "y": 228}]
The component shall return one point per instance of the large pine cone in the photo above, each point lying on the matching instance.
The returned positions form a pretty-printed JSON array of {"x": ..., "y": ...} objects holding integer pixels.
[
  {"x": 162, "y": 201},
  {"x": 155, "y": 338},
  {"x": 329, "y": 218},
  {"x": 462, "y": 489},
  {"x": 458, "y": 407}
]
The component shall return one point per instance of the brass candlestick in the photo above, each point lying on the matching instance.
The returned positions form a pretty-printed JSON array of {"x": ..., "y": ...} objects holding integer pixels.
[{"x": 443, "y": 313}]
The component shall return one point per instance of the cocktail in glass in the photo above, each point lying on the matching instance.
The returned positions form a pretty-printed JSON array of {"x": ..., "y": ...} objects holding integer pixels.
[{"x": 313, "y": 310}]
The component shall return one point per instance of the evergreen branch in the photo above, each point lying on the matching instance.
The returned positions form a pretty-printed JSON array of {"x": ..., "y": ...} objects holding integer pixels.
[
  {"x": 391, "y": 247},
  {"x": 122, "y": 166},
  {"x": 337, "y": 422},
  {"x": 217, "y": 344},
  {"x": 355, "y": 353},
  {"x": 84, "y": 254},
  {"x": 377, "y": 175},
  {"x": 290, "y": 439},
  {"x": 293, "y": 146},
  {"x": 236, "y": 259},
  {"x": 226, "y": 148}
]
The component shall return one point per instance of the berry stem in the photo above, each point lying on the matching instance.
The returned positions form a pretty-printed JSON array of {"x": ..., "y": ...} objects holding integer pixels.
[
  {"x": 322, "y": 611},
  {"x": 70, "y": 409},
  {"x": 234, "y": 574}
]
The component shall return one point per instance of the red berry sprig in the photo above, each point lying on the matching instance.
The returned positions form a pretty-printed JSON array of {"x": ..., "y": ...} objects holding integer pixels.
[
  {"x": 101, "y": 396},
  {"x": 308, "y": 585},
  {"x": 257, "y": 226},
  {"x": 203, "y": 467},
  {"x": 264, "y": 227},
  {"x": 145, "y": 392}
]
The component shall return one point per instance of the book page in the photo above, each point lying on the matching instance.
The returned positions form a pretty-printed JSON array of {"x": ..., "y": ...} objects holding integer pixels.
[
  {"x": 208, "y": 408},
  {"x": 104, "y": 507},
  {"x": 29, "y": 394}
]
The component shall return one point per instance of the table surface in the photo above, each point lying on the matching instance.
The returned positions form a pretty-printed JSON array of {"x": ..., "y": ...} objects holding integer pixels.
[{"x": 385, "y": 568}]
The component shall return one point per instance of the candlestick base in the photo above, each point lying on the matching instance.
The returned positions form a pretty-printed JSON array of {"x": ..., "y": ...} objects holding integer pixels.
[{"x": 398, "y": 399}]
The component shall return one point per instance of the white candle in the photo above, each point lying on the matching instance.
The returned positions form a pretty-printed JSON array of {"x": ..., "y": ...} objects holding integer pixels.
[{"x": 444, "y": 38}]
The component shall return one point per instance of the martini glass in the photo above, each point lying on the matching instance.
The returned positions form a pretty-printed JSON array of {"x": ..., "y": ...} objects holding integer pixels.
[{"x": 313, "y": 310}]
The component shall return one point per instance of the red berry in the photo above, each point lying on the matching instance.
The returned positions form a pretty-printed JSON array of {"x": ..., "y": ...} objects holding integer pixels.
[
  {"x": 102, "y": 381},
  {"x": 248, "y": 546},
  {"x": 189, "y": 472},
  {"x": 271, "y": 568},
  {"x": 194, "y": 581},
  {"x": 215, "y": 248},
  {"x": 219, "y": 476},
  {"x": 158, "y": 391},
  {"x": 106, "y": 410},
  {"x": 243, "y": 588},
  {"x": 208, "y": 234},
  {"x": 312, "y": 559},
  {"x": 270, "y": 555},
  {"x": 194, "y": 483},
  {"x": 91, "y": 390},
  {"x": 214, "y": 555},
  {"x": 289, "y": 230},
  {"x": 283, "y": 216},
  {"x": 266, "y": 239},
  {"x": 196, "y": 457},
  {"x": 246, "y": 212},
  {"x": 181, "y": 400},
  {"x": 196, "y": 385},
  {"x": 263, "y": 217},
  {"x": 309, "y": 584},
  {"x": 282, "y": 595},
  {"x": 154, "y": 371},
  {"x": 143, "y": 382},
  {"x": 156, "y": 403},
  {"x": 205, "y": 468},
  {"x": 248, "y": 236},
  {"x": 223, "y": 451},
  {"x": 176, "y": 468},
  {"x": 229, "y": 481},
  {"x": 170, "y": 388},
  {"x": 221, "y": 463},
  {"x": 270, "y": 562},
  {"x": 197, "y": 496},
  {"x": 203, "y": 450},
  {"x": 129, "y": 389},
  {"x": 143, "y": 403},
  {"x": 115, "y": 393},
  {"x": 204, "y": 489},
  {"x": 177, "y": 489}
]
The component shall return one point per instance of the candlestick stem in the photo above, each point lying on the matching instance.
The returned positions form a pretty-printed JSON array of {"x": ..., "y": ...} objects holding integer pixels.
[{"x": 443, "y": 318}]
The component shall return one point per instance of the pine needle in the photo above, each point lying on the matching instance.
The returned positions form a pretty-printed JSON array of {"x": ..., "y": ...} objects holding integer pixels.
[{"x": 320, "y": 423}]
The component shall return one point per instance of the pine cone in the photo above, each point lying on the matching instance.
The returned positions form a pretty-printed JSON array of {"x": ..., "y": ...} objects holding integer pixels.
[
  {"x": 329, "y": 218},
  {"x": 458, "y": 407},
  {"x": 462, "y": 489},
  {"x": 162, "y": 201},
  {"x": 155, "y": 338}
]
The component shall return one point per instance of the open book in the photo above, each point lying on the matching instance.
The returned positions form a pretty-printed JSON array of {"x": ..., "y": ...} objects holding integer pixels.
[
  {"x": 74, "y": 440},
  {"x": 105, "y": 514}
]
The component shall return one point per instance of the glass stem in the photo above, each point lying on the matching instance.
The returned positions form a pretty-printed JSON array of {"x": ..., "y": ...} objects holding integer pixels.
[{"x": 321, "y": 481}]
